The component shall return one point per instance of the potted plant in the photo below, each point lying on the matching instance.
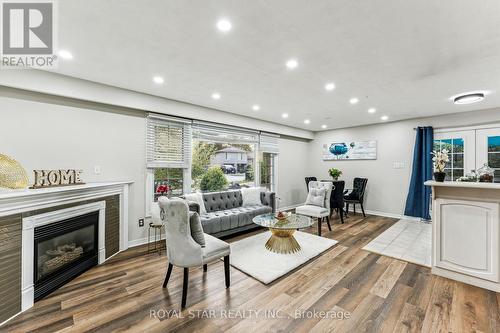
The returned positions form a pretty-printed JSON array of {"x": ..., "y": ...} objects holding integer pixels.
[
  {"x": 439, "y": 159},
  {"x": 335, "y": 173}
]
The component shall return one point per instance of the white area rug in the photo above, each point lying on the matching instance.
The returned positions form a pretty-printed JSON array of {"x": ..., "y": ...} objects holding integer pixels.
[
  {"x": 406, "y": 240},
  {"x": 250, "y": 255}
]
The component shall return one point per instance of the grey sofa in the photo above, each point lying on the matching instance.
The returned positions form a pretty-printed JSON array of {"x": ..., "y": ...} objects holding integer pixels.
[{"x": 225, "y": 214}]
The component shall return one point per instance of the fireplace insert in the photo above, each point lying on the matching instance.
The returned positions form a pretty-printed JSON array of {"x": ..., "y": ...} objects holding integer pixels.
[{"x": 64, "y": 250}]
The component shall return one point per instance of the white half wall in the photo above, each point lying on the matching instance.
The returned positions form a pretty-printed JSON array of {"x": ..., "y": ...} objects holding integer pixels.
[{"x": 387, "y": 186}]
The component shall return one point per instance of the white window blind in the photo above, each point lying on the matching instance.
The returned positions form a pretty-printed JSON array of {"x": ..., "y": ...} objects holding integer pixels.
[
  {"x": 168, "y": 142},
  {"x": 223, "y": 134},
  {"x": 268, "y": 143}
]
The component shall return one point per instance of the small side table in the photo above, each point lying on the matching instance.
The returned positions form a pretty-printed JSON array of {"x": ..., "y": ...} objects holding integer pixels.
[{"x": 155, "y": 247}]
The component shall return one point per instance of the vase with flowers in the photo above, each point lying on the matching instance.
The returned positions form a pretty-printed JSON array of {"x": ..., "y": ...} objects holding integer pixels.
[
  {"x": 439, "y": 159},
  {"x": 335, "y": 173}
]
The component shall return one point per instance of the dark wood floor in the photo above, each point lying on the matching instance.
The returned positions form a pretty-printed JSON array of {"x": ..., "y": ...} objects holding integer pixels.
[{"x": 378, "y": 293}]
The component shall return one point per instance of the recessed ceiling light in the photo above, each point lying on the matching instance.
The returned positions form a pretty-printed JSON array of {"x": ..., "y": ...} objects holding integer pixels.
[
  {"x": 323, "y": 126},
  {"x": 224, "y": 25},
  {"x": 284, "y": 115},
  {"x": 372, "y": 110},
  {"x": 329, "y": 86},
  {"x": 468, "y": 98},
  {"x": 216, "y": 95},
  {"x": 292, "y": 63},
  {"x": 65, "y": 54},
  {"x": 307, "y": 121},
  {"x": 353, "y": 100},
  {"x": 158, "y": 80},
  {"x": 256, "y": 107},
  {"x": 384, "y": 118}
]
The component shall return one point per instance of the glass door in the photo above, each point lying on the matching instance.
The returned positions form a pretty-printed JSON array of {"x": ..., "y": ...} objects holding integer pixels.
[
  {"x": 460, "y": 146},
  {"x": 488, "y": 150}
]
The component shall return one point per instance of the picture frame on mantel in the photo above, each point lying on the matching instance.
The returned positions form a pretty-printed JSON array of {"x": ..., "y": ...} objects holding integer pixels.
[
  {"x": 56, "y": 178},
  {"x": 353, "y": 150}
]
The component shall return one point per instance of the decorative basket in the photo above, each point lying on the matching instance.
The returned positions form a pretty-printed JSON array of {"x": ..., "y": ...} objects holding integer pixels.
[
  {"x": 284, "y": 217},
  {"x": 12, "y": 174}
]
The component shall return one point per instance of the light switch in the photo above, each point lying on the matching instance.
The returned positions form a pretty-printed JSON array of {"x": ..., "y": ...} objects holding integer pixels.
[
  {"x": 97, "y": 169},
  {"x": 399, "y": 165}
]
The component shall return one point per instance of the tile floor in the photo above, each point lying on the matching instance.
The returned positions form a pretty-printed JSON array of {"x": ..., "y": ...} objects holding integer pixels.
[{"x": 406, "y": 240}]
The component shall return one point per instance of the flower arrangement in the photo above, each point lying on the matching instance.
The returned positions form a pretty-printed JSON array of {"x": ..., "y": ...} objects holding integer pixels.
[
  {"x": 439, "y": 159},
  {"x": 335, "y": 173}
]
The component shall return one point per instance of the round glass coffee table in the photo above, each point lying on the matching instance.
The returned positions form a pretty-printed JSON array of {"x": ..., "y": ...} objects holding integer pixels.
[{"x": 282, "y": 240}]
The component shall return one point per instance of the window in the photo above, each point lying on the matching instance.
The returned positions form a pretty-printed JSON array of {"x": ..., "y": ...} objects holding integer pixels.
[
  {"x": 455, "y": 168},
  {"x": 168, "y": 155},
  {"x": 494, "y": 155},
  {"x": 267, "y": 163}
]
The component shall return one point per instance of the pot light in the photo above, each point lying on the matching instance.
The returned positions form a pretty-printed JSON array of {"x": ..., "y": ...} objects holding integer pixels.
[
  {"x": 307, "y": 121},
  {"x": 216, "y": 95},
  {"x": 329, "y": 86},
  {"x": 256, "y": 107},
  {"x": 468, "y": 98},
  {"x": 323, "y": 126},
  {"x": 158, "y": 80},
  {"x": 292, "y": 63},
  {"x": 353, "y": 100},
  {"x": 372, "y": 110},
  {"x": 65, "y": 54},
  {"x": 384, "y": 118},
  {"x": 224, "y": 25},
  {"x": 284, "y": 115}
]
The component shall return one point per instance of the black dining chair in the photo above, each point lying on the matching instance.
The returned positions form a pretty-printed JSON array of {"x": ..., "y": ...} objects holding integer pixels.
[
  {"x": 337, "y": 198},
  {"x": 309, "y": 179},
  {"x": 356, "y": 196}
]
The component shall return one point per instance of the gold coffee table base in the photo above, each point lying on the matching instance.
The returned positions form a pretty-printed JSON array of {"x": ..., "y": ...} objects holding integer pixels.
[{"x": 282, "y": 241}]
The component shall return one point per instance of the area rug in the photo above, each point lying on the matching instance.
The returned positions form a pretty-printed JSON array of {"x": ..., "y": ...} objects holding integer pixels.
[
  {"x": 406, "y": 240},
  {"x": 250, "y": 255}
]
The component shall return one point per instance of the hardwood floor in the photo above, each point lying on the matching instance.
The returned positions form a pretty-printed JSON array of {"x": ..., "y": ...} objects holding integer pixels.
[{"x": 374, "y": 293}]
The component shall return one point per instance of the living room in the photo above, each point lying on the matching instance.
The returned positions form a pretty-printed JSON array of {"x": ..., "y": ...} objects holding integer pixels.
[{"x": 225, "y": 166}]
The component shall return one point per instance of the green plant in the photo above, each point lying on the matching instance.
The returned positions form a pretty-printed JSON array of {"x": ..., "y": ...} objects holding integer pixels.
[
  {"x": 213, "y": 180},
  {"x": 335, "y": 173}
]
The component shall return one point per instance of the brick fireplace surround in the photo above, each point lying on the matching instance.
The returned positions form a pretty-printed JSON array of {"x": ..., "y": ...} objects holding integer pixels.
[{"x": 23, "y": 210}]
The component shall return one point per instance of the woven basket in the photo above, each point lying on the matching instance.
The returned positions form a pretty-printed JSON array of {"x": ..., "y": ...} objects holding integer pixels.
[{"x": 12, "y": 174}]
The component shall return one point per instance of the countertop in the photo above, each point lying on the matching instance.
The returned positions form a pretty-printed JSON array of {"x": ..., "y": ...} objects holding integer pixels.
[{"x": 491, "y": 186}]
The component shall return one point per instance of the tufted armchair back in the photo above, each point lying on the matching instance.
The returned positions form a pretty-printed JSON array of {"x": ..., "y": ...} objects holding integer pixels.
[
  {"x": 328, "y": 186},
  {"x": 182, "y": 250}
]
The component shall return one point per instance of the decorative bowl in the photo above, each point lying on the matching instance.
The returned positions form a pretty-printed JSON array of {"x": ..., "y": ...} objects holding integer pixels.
[{"x": 284, "y": 217}]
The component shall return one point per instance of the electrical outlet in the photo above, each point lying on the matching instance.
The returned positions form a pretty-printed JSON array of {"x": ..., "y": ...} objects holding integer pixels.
[
  {"x": 97, "y": 169},
  {"x": 141, "y": 222}
]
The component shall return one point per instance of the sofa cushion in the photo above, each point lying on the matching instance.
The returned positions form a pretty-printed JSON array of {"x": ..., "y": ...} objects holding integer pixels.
[
  {"x": 198, "y": 198},
  {"x": 310, "y": 210},
  {"x": 216, "y": 201}
]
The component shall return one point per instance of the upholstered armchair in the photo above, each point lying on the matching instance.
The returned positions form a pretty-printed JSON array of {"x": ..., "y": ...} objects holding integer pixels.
[
  {"x": 183, "y": 250},
  {"x": 318, "y": 211}
]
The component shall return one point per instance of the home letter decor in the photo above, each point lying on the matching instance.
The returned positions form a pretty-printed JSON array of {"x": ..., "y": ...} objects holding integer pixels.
[{"x": 48, "y": 178}]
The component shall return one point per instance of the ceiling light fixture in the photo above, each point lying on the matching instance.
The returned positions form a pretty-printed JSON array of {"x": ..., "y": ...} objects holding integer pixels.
[
  {"x": 224, "y": 25},
  {"x": 307, "y": 121},
  {"x": 216, "y": 95},
  {"x": 284, "y": 115},
  {"x": 256, "y": 107},
  {"x": 158, "y": 80},
  {"x": 468, "y": 98},
  {"x": 329, "y": 86},
  {"x": 292, "y": 63},
  {"x": 65, "y": 54},
  {"x": 372, "y": 110},
  {"x": 384, "y": 118},
  {"x": 323, "y": 126},
  {"x": 353, "y": 100}
]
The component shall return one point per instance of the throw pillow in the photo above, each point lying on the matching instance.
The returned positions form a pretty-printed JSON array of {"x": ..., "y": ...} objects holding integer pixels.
[
  {"x": 251, "y": 196},
  {"x": 162, "y": 204},
  {"x": 196, "y": 228},
  {"x": 198, "y": 198},
  {"x": 316, "y": 197}
]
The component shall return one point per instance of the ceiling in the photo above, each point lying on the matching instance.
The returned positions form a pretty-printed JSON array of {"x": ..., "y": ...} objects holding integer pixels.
[{"x": 404, "y": 58}]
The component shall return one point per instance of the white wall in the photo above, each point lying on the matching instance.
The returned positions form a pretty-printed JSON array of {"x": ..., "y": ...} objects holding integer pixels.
[
  {"x": 47, "y": 132},
  {"x": 387, "y": 187}
]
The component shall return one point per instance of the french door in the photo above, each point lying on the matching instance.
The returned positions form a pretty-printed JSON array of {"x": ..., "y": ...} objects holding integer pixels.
[{"x": 461, "y": 148}]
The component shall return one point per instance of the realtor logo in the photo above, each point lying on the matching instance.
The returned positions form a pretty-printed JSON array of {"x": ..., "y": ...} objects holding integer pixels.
[{"x": 27, "y": 34}]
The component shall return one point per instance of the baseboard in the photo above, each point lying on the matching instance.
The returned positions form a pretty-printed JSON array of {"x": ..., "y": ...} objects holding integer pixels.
[
  {"x": 137, "y": 242},
  {"x": 392, "y": 215}
]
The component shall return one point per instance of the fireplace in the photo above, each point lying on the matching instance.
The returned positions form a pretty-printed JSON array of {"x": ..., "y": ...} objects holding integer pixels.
[{"x": 64, "y": 250}]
